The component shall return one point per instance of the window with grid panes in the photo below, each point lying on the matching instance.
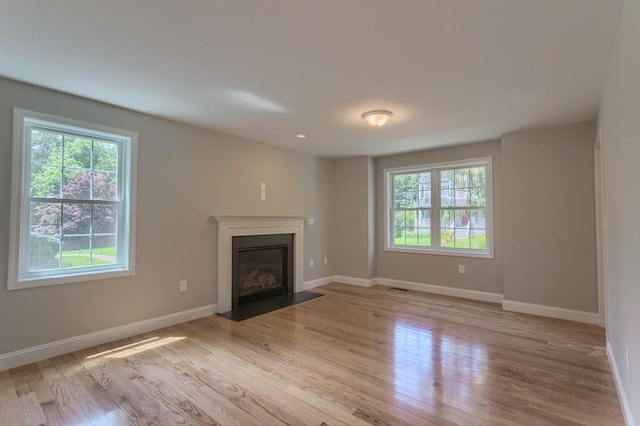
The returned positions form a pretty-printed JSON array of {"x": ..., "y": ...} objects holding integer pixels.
[
  {"x": 72, "y": 201},
  {"x": 443, "y": 208}
]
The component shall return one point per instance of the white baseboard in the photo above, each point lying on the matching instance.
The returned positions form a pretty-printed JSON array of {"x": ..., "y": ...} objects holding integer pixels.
[
  {"x": 624, "y": 402},
  {"x": 317, "y": 283},
  {"x": 551, "y": 311},
  {"x": 446, "y": 291},
  {"x": 361, "y": 282},
  {"x": 48, "y": 350}
]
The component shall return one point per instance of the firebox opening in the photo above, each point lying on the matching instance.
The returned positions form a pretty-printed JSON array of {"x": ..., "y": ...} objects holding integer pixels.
[{"x": 262, "y": 267}]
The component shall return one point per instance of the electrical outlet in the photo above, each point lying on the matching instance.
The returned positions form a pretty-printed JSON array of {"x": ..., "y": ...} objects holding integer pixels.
[
  {"x": 461, "y": 269},
  {"x": 311, "y": 263},
  {"x": 326, "y": 260},
  {"x": 183, "y": 286},
  {"x": 626, "y": 355},
  {"x": 310, "y": 221}
]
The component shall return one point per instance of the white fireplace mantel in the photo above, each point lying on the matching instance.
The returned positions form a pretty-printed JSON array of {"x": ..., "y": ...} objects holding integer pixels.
[{"x": 236, "y": 225}]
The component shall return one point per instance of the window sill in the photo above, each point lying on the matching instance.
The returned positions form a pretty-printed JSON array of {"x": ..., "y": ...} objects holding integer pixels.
[
  {"x": 415, "y": 250},
  {"x": 68, "y": 279}
]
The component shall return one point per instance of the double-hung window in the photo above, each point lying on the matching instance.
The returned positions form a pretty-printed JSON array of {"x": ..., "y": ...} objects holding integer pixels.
[
  {"x": 72, "y": 213},
  {"x": 443, "y": 208}
]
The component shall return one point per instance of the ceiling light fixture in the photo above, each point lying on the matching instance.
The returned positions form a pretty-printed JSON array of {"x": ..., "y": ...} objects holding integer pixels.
[
  {"x": 377, "y": 118},
  {"x": 301, "y": 135}
]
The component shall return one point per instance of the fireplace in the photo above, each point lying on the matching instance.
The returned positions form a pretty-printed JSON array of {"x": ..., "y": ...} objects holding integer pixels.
[
  {"x": 261, "y": 267},
  {"x": 231, "y": 226}
]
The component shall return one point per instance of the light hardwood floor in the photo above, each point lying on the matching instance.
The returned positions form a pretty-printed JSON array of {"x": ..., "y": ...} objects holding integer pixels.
[{"x": 356, "y": 356}]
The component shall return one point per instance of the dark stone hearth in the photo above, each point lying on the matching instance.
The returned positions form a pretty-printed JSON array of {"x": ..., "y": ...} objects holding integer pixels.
[{"x": 251, "y": 310}]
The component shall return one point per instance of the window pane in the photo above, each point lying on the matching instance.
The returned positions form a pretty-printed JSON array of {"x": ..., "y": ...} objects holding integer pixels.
[
  {"x": 462, "y": 197},
  {"x": 45, "y": 181},
  {"x": 446, "y": 179},
  {"x": 411, "y": 199},
  {"x": 404, "y": 229},
  {"x": 46, "y": 148},
  {"x": 104, "y": 186},
  {"x": 424, "y": 237},
  {"x": 104, "y": 250},
  {"x": 478, "y": 219},
  {"x": 423, "y": 228},
  {"x": 76, "y": 184},
  {"x": 412, "y": 222},
  {"x": 399, "y": 225},
  {"x": 478, "y": 197},
  {"x": 447, "y": 197},
  {"x": 478, "y": 239},
  {"x": 43, "y": 253},
  {"x": 75, "y": 252},
  {"x": 44, "y": 218},
  {"x": 104, "y": 219},
  {"x": 461, "y": 178},
  {"x": 105, "y": 156},
  {"x": 463, "y": 228},
  {"x": 477, "y": 177},
  {"x": 408, "y": 182},
  {"x": 447, "y": 227},
  {"x": 77, "y": 152},
  {"x": 76, "y": 219},
  {"x": 424, "y": 199}
]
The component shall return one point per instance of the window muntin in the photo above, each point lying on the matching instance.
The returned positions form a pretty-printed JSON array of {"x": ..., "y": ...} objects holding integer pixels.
[
  {"x": 72, "y": 201},
  {"x": 440, "y": 208}
]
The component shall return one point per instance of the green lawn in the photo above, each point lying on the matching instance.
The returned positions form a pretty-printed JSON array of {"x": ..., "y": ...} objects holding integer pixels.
[
  {"x": 78, "y": 258},
  {"x": 105, "y": 251},
  {"x": 411, "y": 239},
  {"x": 77, "y": 261}
]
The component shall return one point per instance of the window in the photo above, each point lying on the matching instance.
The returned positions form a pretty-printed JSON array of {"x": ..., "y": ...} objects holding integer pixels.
[
  {"x": 72, "y": 214},
  {"x": 443, "y": 208}
]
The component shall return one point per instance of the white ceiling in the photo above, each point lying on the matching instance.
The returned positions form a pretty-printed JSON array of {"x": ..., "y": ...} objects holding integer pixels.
[{"x": 452, "y": 71}]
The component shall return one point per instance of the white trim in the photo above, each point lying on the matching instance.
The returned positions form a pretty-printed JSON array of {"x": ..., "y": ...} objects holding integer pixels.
[
  {"x": 18, "y": 278},
  {"x": 483, "y": 296},
  {"x": 601, "y": 255},
  {"x": 439, "y": 252},
  {"x": 551, "y": 312},
  {"x": 360, "y": 282},
  {"x": 622, "y": 396},
  {"x": 435, "y": 208},
  {"x": 48, "y": 350},
  {"x": 236, "y": 225},
  {"x": 308, "y": 285}
]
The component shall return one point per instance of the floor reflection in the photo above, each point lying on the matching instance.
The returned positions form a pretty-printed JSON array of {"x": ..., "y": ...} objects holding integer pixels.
[{"x": 432, "y": 364}]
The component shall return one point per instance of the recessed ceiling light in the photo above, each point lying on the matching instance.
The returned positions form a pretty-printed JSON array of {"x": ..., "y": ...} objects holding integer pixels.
[
  {"x": 377, "y": 118},
  {"x": 301, "y": 135}
]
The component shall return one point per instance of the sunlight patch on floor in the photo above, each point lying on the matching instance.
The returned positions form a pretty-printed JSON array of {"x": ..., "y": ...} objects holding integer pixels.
[{"x": 136, "y": 348}]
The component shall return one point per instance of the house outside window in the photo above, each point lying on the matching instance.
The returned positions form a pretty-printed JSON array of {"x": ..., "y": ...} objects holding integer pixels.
[
  {"x": 444, "y": 208},
  {"x": 73, "y": 201}
]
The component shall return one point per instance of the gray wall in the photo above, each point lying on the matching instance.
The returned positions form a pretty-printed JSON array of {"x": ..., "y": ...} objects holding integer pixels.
[
  {"x": 481, "y": 274},
  {"x": 353, "y": 220},
  {"x": 549, "y": 217},
  {"x": 185, "y": 174},
  {"x": 620, "y": 138}
]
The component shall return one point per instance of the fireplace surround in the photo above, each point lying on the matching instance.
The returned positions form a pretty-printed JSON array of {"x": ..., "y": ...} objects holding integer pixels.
[{"x": 229, "y": 226}]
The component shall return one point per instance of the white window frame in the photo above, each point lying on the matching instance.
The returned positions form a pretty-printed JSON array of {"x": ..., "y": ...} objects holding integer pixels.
[
  {"x": 18, "y": 277},
  {"x": 435, "y": 248}
]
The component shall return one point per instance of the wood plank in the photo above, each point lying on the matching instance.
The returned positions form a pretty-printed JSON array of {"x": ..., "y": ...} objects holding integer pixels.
[{"x": 356, "y": 356}]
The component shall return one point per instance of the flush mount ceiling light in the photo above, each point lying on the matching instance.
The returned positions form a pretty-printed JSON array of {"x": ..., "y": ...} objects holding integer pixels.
[
  {"x": 377, "y": 118},
  {"x": 301, "y": 135}
]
